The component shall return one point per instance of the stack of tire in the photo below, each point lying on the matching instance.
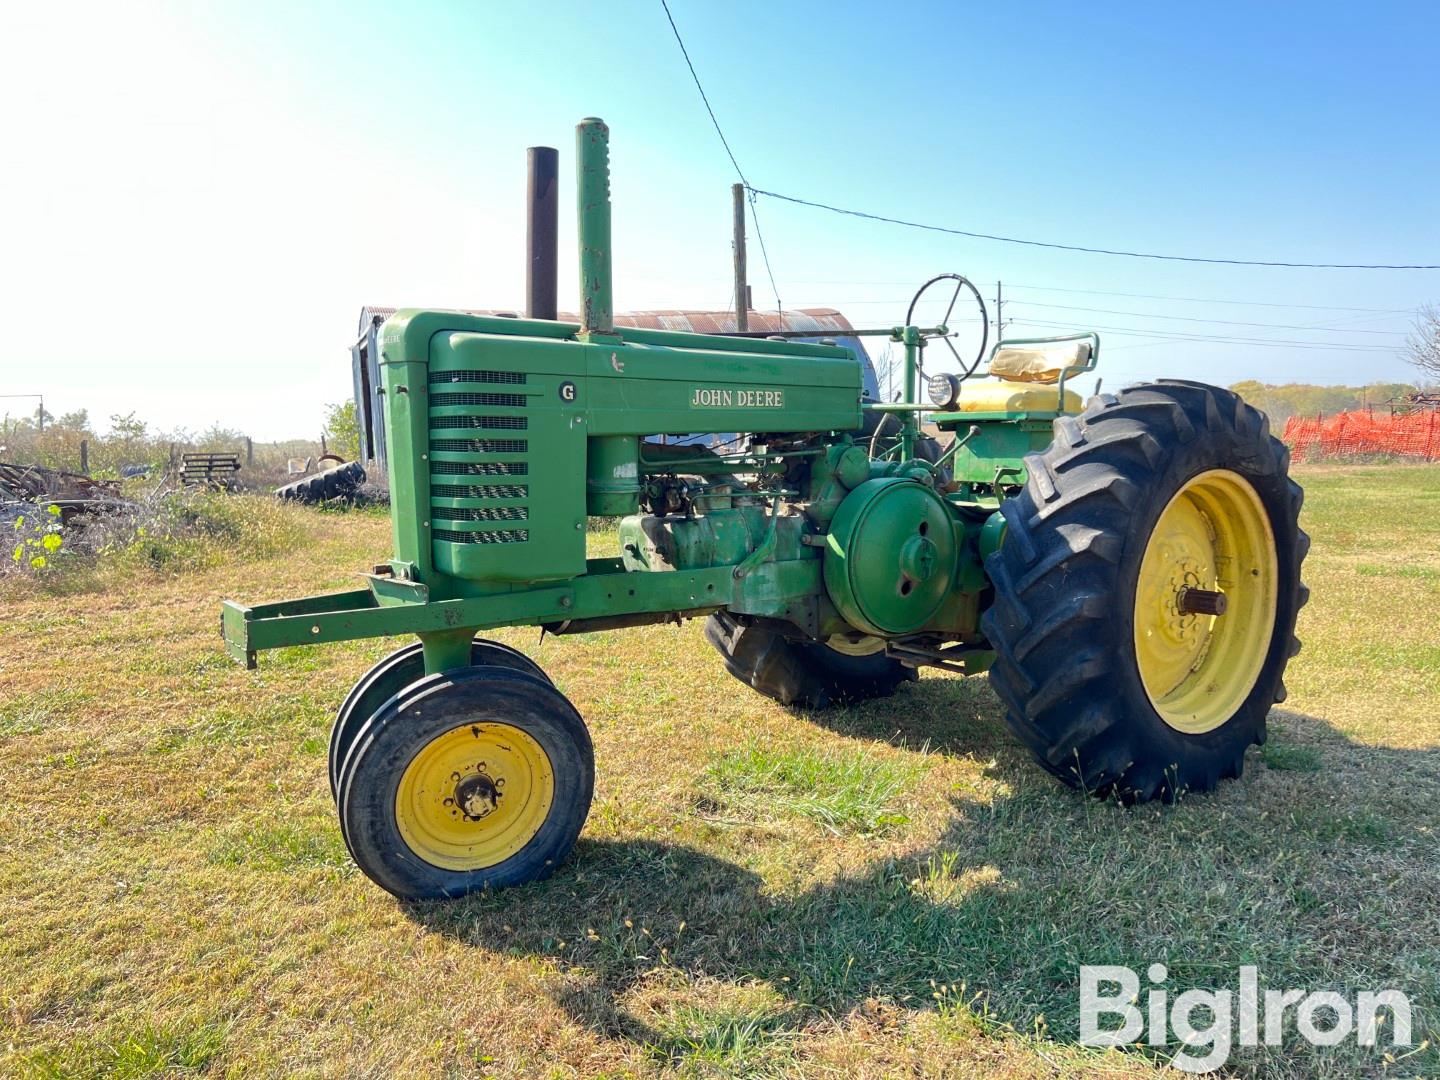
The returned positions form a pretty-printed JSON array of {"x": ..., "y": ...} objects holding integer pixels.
[{"x": 339, "y": 482}]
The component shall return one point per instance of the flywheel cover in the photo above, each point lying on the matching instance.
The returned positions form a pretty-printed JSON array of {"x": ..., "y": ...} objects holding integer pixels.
[{"x": 890, "y": 556}]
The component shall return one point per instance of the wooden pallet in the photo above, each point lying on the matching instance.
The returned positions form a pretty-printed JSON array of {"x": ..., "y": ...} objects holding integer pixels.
[{"x": 209, "y": 470}]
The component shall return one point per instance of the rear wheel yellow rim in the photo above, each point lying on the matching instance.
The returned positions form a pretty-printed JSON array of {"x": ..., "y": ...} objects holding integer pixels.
[
  {"x": 1213, "y": 535},
  {"x": 855, "y": 644},
  {"x": 473, "y": 796}
]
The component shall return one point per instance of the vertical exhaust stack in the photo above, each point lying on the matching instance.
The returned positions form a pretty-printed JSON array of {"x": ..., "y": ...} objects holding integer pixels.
[
  {"x": 592, "y": 165},
  {"x": 542, "y": 243}
]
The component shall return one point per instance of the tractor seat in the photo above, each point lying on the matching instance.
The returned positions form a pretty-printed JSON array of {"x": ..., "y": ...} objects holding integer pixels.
[
  {"x": 1038, "y": 365},
  {"x": 1022, "y": 379}
]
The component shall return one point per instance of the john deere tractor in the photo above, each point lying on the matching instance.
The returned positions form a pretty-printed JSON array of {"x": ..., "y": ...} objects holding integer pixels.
[{"x": 1126, "y": 569}]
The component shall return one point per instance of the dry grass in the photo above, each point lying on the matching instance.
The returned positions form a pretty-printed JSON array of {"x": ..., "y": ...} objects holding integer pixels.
[{"x": 176, "y": 900}]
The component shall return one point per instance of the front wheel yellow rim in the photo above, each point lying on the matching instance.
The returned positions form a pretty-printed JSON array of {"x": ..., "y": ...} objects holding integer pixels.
[
  {"x": 473, "y": 796},
  {"x": 1212, "y": 547}
]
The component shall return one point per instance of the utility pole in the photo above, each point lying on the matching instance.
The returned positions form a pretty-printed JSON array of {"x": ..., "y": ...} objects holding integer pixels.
[
  {"x": 999, "y": 310},
  {"x": 742, "y": 291}
]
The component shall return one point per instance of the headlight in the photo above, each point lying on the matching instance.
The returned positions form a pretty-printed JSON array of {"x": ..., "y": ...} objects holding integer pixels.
[{"x": 944, "y": 391}]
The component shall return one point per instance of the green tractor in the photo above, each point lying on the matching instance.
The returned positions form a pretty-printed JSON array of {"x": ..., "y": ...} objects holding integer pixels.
[{"x": 1126, "y": 569}]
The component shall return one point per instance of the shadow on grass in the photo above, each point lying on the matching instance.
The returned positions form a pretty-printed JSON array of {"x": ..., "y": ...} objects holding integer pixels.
[{"x": 1299, "y": 869}]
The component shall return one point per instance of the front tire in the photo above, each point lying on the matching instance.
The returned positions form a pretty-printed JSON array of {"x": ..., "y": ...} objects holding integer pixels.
[
  {"x": 1148, "y": 511},
  {"x": 391, "y": 675},
  {"x": 473, "y": 779}
]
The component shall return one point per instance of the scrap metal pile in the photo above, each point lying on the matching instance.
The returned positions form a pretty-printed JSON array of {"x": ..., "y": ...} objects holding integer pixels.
[{"x": 78, "y": 496}]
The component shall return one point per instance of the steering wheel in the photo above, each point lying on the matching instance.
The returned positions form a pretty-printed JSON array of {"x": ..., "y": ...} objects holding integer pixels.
[{"x": 961, "y": 283}]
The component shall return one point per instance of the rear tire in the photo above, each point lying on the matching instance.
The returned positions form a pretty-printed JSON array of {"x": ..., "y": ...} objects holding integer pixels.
[
  {"x": 798, "y": 673},
  {"x": 1105, "y": 672}
]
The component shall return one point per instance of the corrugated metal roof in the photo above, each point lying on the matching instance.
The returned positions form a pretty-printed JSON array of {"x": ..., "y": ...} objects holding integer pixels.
[{"x": 820, "y": 320}]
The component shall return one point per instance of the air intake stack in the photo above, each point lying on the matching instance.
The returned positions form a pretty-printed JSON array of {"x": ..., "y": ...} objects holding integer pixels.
[{"x": 592, "y": 165}]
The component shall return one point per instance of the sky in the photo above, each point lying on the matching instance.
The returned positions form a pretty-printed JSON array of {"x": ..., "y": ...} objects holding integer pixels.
[{"x": 196, "y": 199}]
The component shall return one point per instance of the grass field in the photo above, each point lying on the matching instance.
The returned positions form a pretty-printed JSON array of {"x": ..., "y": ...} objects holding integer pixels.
[{"x": 886, "y": 890}]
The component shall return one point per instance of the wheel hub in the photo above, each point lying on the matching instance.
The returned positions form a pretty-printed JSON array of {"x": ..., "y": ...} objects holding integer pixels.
[
  {"x": 474, "y": 795},
  {"x": 1196, "y": 601},
  {"x": 917, "y": 561},
  {"x": 477, "y": 796},
  {"x": 1211, "y": 551}
]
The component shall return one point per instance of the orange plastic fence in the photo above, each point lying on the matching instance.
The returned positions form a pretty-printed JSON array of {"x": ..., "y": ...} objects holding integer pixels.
[{"x": 1355, "y": 434}]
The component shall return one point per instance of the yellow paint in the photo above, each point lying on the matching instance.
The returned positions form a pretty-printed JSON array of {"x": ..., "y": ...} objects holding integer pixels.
[
  {"x": 474, "y": 796},
  {"x": 1002, "y": 395},
  {"x": 1214, "y": 534},
  {"x": 856, "y": 644}
]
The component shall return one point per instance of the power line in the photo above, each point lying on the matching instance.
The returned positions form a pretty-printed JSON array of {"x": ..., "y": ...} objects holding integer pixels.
[
  {"x": 1162, "y": 334},
  {"x": 1215, "y": 300},
  {"x": 1175, "y": 335},
  {"x": 764, "y": 255},
  {"x": 1218, "y": 322},
  {"x": 1146, "y": 296},
  {"x": 1228, "y": 339},
  {"x": 1088, "y": 250},
  {"x": 686, "y": 53},
  {"x": 1152, "y": 342},
  {"x": 1267, "y": 340},
  {"x": 1152, "y": 315}
]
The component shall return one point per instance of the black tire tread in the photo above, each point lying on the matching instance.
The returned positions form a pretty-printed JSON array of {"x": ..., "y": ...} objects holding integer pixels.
[
  {"x": 391, "y": 676},
  {"x": 329, "y": 484},
  {"x": 796, "y": 673},
  {"x": 426, "y": 708},
  {"x": 1057, "y": 586}
]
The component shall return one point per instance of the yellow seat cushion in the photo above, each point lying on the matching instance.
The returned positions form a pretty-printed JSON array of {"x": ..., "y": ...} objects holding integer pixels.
[
  {"x": 1004, "y": 395},
  {"x": 1041, "y": 364}
]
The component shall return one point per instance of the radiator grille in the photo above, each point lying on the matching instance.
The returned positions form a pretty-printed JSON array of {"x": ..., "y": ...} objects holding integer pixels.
[
  {"x": 512, "y": 377},
  {"x": 480, "y": 446},
  {"x": 480, "y": 468},
  {"x": 480, "y": 491},
  {"x": 444, "y": 397},
  {"x": 479, "y": 513},
  {"x": 511, "y": 423},
  {"x": 506, "y": 519},
  {"x": 487, "y": 536}
]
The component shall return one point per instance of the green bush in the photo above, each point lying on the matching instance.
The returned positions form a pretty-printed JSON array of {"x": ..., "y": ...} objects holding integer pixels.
[
  {"x": 170, "y": 532},
  {"x": 37, "y": 540}
]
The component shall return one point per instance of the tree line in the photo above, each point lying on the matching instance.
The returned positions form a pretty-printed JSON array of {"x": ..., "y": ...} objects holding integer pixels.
[
  {"x": 1284, "y": 400},
  {"x": 56, "y": 442}
]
